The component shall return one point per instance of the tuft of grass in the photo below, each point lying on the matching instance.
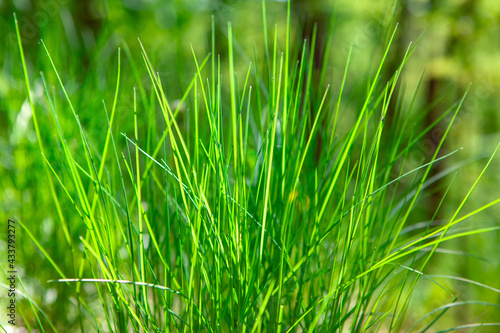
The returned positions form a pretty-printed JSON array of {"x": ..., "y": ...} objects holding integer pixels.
[{"x": 255, "y": 204}]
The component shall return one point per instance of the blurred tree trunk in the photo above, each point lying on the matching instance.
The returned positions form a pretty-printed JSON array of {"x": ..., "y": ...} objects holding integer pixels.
[
  {"x": 438, "y": 86},
  {"x": 314, "y": 14},
  {"x": 398, "y": 49}
]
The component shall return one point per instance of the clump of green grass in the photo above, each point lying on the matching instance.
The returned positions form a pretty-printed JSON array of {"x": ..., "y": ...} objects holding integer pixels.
[{"x": 256, "y": 212}]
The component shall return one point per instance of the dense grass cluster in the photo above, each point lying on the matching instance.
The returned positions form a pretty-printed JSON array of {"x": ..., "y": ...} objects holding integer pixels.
[{"x": 254, "y": 203}]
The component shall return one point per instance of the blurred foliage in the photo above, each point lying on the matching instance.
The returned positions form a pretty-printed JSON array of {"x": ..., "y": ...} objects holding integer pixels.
[{"x": 458, "y": 45}]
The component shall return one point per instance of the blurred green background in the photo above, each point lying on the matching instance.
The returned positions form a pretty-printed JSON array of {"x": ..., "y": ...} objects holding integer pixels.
[{"x": 458, "y": 47}]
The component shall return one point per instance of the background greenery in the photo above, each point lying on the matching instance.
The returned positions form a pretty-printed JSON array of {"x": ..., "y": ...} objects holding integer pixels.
[{"x": 456, "y": 46}]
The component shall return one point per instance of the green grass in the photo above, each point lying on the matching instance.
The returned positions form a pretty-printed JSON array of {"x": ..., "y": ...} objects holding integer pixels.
[{"x": 254, "y": 203}]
